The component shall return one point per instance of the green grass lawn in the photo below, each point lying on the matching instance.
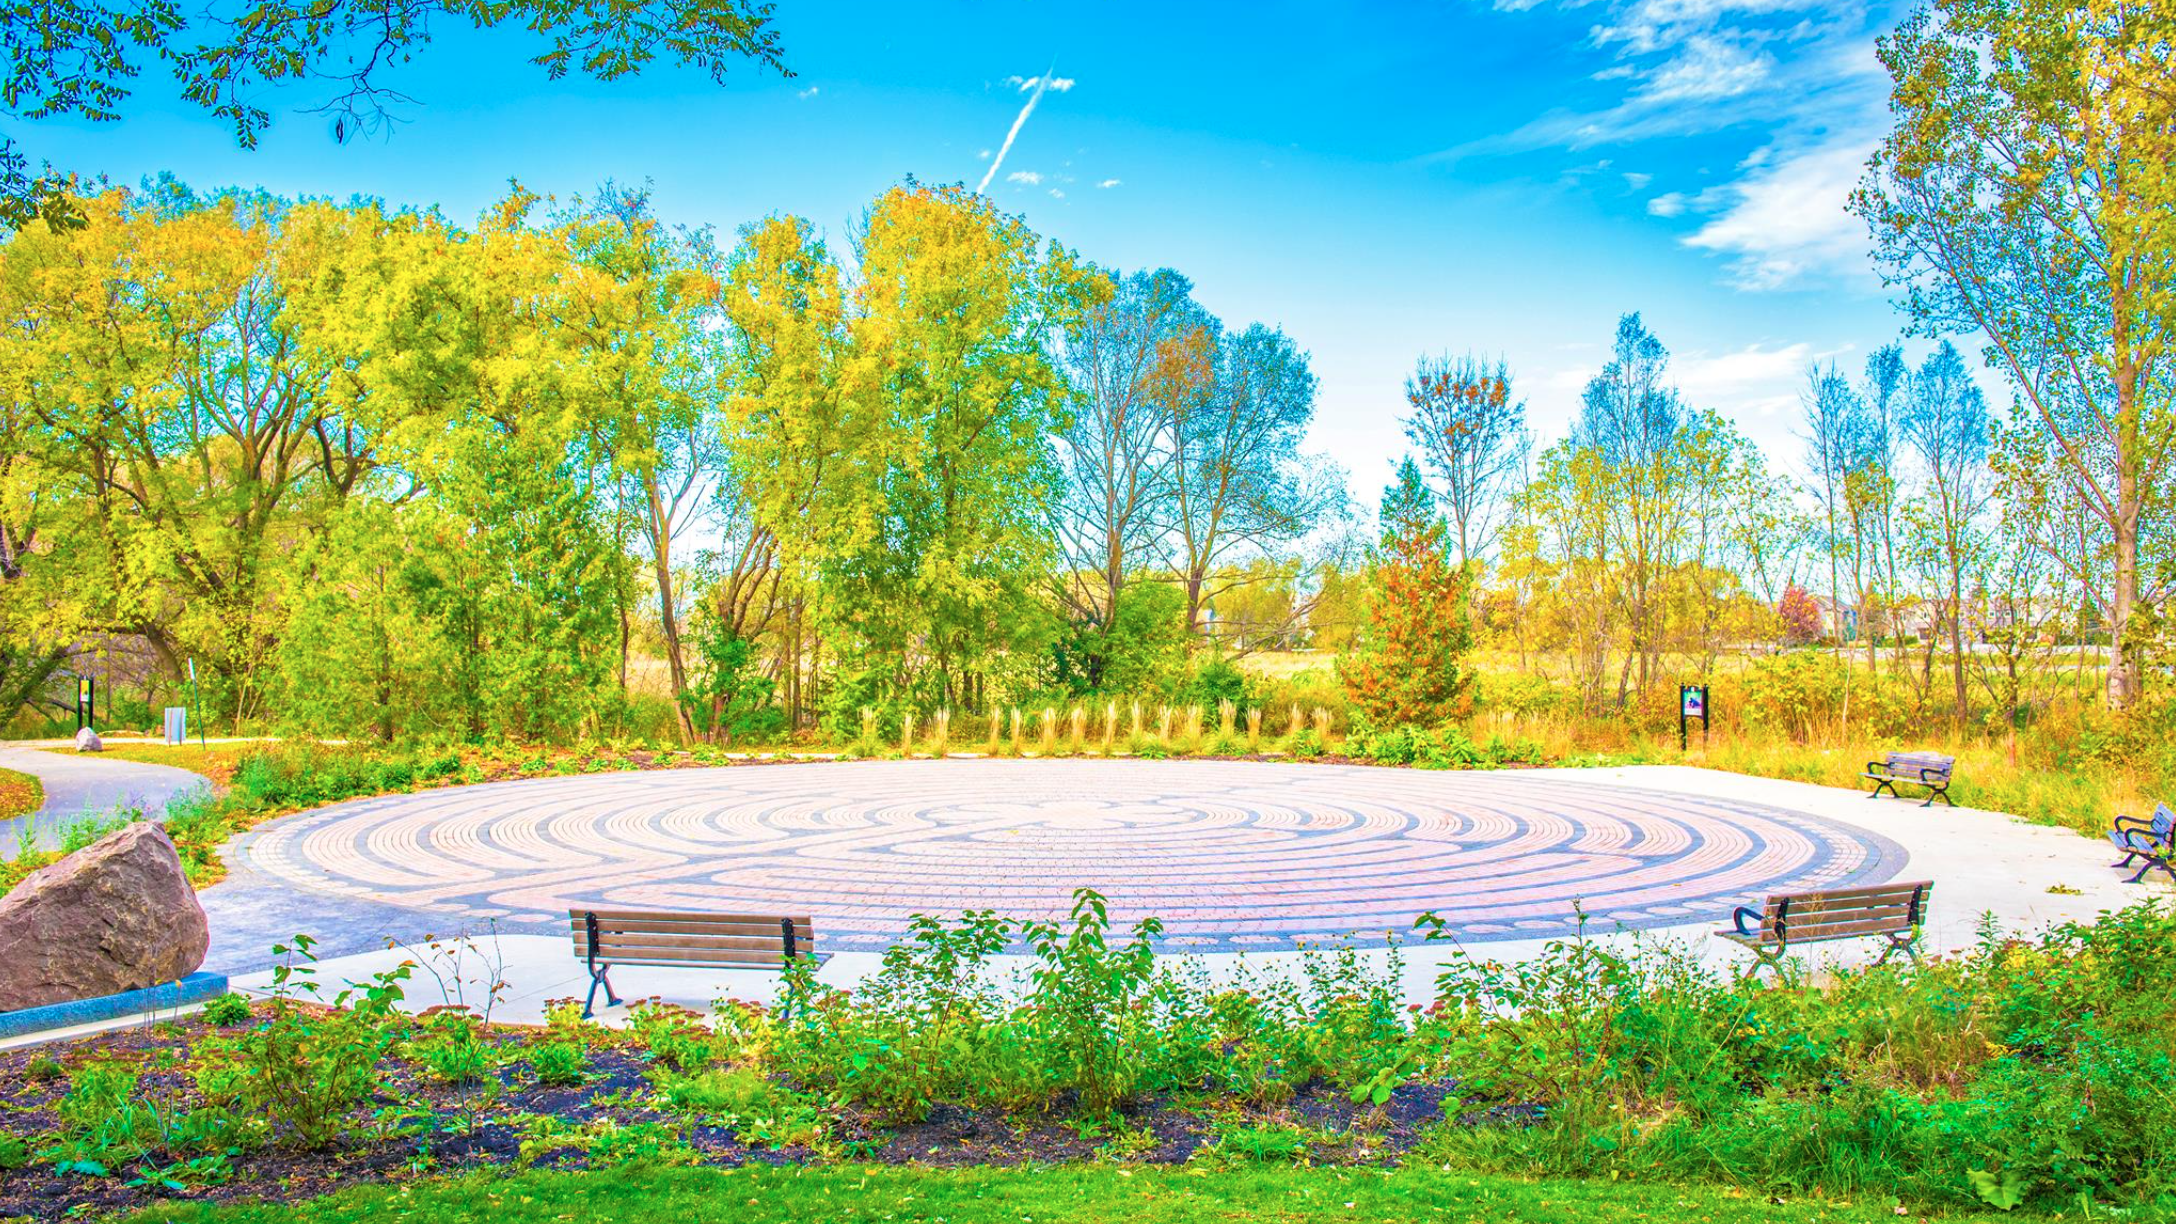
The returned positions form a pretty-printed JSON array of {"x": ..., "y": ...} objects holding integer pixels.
[{"x": 1071, "y": 1194}]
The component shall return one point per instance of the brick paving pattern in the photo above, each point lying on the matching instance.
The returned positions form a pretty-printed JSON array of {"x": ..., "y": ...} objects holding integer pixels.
[{"x": 1231, "y": 855}]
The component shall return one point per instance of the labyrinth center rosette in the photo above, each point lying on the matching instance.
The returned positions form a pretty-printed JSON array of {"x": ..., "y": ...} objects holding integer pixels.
[{"x": 1230, "y": 855}]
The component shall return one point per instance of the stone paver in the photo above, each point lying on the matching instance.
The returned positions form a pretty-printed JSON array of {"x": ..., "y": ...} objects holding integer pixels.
[
  {"x": 1229, "y": 855},
  {"x": 1240, "y": 859}
]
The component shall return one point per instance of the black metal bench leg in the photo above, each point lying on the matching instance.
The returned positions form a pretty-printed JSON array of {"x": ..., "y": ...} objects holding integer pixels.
[
  {"x": 1907, "y": 944},
  {"x": 600, "y": 976}
]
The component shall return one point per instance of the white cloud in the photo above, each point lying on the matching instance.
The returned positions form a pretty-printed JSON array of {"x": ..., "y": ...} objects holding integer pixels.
[
  {"x": 1029, "y": 177},
  {"x": 1637, "y": 181},
  {"x": 1783, "y": 222},
  {"x": 1706, "y": 376},
  {"x": 1668, "y": 204},
  {"x": 1056, "y": 194},
  {"x": 1707, "y": 69},
  {"x": 1676, "y": 60},
  {"x": 983, "y": 156},
  {"x": 810, "y": 92},
  {"x": 1024, "y": 84},
  {"x": 1108, "y": 183}
]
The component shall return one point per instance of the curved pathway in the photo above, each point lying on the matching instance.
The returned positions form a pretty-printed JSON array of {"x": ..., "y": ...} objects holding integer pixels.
[
  {"x": 1230, "y": 855},
  {"x": 88, "y": 784}
]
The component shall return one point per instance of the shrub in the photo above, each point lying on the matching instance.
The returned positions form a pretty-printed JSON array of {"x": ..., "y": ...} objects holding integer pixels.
[
  {"x": 227, "y": 1010},
  {"x": 559, "y": 1064}
]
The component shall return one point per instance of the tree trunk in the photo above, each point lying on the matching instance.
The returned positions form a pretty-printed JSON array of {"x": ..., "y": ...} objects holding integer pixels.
[
  {"x": 2123, "y": 671},
  {"x": 668, "y": 617}
]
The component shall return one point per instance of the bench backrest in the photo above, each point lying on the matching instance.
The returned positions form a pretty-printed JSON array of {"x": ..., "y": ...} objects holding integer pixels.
[
  {"x": 1917, "y": 763},
  {"x": 1844, "y": 913},
  {"x": 657, "y": 937},
  {"x": 2164, "y": 823}
]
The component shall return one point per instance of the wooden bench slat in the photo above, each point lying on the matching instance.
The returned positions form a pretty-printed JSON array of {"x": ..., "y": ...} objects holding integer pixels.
[
  {"x": 1811, "y": 933},
  {"x": 1872, "y": 895},
  {"x": 689, "y": 928},
  {"x": 723, "y": 959},
  {"x": 648, "y": 916},
  {"x": 1800, "y": 907},
  {"x": 608, "y": 944}
]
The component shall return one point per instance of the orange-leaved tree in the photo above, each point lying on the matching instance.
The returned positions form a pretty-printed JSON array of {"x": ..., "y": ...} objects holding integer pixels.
[{"x": 1410, "y": 664}]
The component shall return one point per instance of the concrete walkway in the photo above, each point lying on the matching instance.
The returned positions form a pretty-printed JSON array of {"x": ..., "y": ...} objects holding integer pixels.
[
  {"x": 1986, "y": 866},
  {"x": 88, "y": 784}
]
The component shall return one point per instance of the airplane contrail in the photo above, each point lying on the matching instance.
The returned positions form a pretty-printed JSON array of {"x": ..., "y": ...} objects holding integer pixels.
[{"x": 1041, "y": 83}]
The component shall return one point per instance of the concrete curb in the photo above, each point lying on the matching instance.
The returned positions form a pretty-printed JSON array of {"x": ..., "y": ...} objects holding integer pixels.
[{"x": 166, "y": 996}]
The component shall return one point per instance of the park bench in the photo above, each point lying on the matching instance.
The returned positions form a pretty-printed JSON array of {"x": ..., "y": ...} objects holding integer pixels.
[
  {"x": 604, "y": 938},
  {"x": 2147, "y": 843},
  {"x": 1928, "y": 769},
  {"x": 1893, "y": 911}
]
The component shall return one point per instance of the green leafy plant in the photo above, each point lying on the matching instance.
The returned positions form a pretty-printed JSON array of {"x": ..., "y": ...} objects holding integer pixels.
[{"x": 227, "y": 1010}]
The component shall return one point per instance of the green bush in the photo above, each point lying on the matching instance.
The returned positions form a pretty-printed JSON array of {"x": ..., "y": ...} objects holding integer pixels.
[
  {"x": 227, "y": 1010},
  {"x": 559, "y": 1064}
]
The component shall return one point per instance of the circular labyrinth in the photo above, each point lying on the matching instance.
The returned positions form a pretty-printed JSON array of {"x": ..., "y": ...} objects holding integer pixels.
[{"x": 1229, "y": 855}]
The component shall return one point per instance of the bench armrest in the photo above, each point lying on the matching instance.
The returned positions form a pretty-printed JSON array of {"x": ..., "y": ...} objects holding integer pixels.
[
  {"x": 1739, "y": 916},
  {"x": 1933, "y": 773},
  {"x": 2135, "y": 822},
  {"x": 1883, "y": 766}
]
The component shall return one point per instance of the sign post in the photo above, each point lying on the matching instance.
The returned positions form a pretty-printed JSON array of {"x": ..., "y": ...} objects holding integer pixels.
[
  {"x": 196, "y": 704},
  {"x": 1692, "y": 702},
  {"x": 86, "y": 698}
]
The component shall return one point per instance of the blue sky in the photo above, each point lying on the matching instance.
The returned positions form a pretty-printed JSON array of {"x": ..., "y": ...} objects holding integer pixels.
[{"x": 1379, "y": 180}]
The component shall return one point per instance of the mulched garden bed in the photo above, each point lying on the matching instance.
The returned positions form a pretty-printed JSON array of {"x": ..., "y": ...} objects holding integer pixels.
[{"x": 417, "y": 1124}]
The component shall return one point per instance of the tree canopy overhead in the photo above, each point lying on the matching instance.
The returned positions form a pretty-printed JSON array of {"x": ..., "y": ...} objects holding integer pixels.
[{"x": 87, "y": 58}]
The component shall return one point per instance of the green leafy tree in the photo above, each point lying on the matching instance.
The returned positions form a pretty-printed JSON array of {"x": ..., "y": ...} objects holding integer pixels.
[
  {"x": 81, "y": 59},
  {"x": 2025, "y": 194},
  {"x": 951, "y": 475},
  {"x": 1410, "y": 665}
]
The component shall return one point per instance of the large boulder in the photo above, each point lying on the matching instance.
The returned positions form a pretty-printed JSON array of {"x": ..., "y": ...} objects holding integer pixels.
[
  {"x": 87, "y": 741},
  {"x": 116, "y": 915}
]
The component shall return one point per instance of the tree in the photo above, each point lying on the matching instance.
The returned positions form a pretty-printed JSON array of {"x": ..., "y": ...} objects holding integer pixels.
[
  {"x": 1632, "y": 426},
  {"x": 1409, "y": 667},
  {"x": 1469, "y": 427},
  {"x": 2024, "y": 193},
  {"x": 1241, "y": 487},
  {"x": 656, "y": 340},
  {"x": 1946, "y": 423},
  {"x": 80, "y": 58},
  {"x": 173, "y": 358},
  {"x": 790, "y": 434},
  {"x": 1801, "y": 617},
  {"x": 949, "y": 365},
  {"x": 1136, "y": 359}
]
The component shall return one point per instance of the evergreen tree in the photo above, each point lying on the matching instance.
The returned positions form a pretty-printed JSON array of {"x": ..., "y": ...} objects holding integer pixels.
[{"x": 1410, "y": 664}]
